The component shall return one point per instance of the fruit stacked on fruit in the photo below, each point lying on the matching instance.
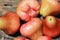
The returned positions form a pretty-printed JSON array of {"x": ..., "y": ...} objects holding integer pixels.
[{"x": 33, "y": 27}]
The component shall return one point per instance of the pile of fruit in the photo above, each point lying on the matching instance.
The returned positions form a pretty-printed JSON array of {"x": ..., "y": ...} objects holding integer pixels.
[{"x": 34, "y": 20}]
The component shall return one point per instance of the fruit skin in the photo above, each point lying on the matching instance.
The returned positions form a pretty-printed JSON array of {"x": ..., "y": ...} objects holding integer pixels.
[
  {"x": 49, "y": 7},
  {"x": 59, "y": 25},
  {"x": 32, "y": 29},
  {"x": 59, "y": 7},
  {"x": 44, "y": 38},
  {"x": 11, "y": 23},
  {"x": 19, "y": 38},
  {"x": 27, "y": 9},
  {"x": 50, "y": 27},
  {"x": 49, "y": 32},
  {"x": 50, "y": 22}
]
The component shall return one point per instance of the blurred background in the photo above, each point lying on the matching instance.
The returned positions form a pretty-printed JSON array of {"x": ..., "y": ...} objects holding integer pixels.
[{"x": 8, "y": 5}]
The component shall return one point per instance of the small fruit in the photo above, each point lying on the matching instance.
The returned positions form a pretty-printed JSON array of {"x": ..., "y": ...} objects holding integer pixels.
[
  {"x": 32, "y": 29},
  {"x": 10, "y": 23},
  {"x": 27, "y": 9},
  {"x": 49, "y": 7},
  {"x": 50, "y": 27}
]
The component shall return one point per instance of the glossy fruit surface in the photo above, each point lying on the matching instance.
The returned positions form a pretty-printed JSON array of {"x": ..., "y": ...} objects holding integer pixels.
[
  {"x": 49, "y": 32},
  {"x": 49, "y": 7},
  {"x": 44, "y": 38},
  {"x": 50, "y": 22},
  {"x": 10, "y": 23},
  {"x": 31, "y": 27},
  {"x": 19, "y": 38},
  {"x": 50, "y": 26},
  {"x": 27, "y": 9}
]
